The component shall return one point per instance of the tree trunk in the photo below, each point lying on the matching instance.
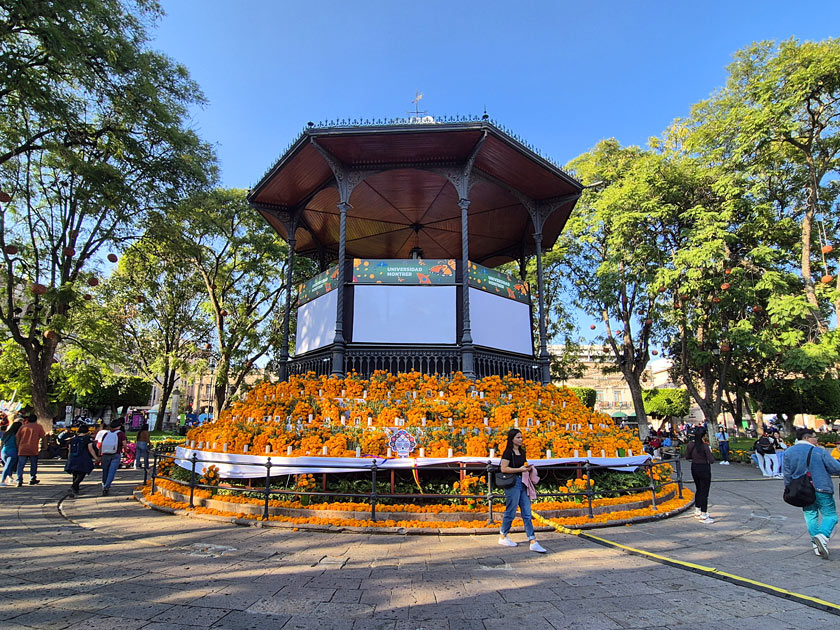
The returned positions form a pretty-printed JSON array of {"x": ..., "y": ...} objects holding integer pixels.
[
  {"x": 39, "y": 375},
  {"x": 639, "y": 405}
]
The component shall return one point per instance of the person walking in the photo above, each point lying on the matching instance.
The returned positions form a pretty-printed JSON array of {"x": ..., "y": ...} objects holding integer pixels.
[
  {"x": 81, "y": 458},
  {"x": 29, "y": 440},
  {"x": 9, "y": 451},
  {"x": 766, "y": 455},
  {"x": 142, "y": 444},
  {"x": 110, "y": 451},
  {"x": 701, "y": 458},
  {"x": 722, "y": 437},
  {"x": 515, "y": 463},
  {"x": 821, "y": 515}
]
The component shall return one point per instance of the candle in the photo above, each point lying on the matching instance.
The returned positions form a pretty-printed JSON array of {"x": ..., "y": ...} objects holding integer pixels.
[
  {"x": 449, "y": 453},
  {"x": 588, "y": 452},
  {"x": 214, "y": 446},
  {"x": 288, "y": 451},
  {"x": 309, "y": 417},
  {"x": 343, "y": 391},
  {"x": 358, "y": 451},
  {"x": 224, "y": 447},
  {"x": 516, "y": 423},
  {"x": 603, "y": 453},
  {"x": 576, "y": 453},
  {"x": 492, "y": 453},
  {"x": 486, "y": 422},
  {"x": 364, "y": 394},
  {"x": 246, "y": 448},
  {"x": 389, "y": 453},
  {"x": 324, "y": 450},
  {"x": 267, "y": 449},
  {"x": 548, "y": 454},
  {"x": 481, "y": 395},
  {"x": 422, "y": 452},
  {"x": 370, "y": 422},
  {"x": 320, "y": 393},
  {"x": 440, "y": 394},
  {"x": 629, "y": 453}
]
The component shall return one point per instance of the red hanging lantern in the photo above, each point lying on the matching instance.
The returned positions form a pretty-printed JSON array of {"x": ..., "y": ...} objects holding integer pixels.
[
  {"x": 5, "y": 197},
  {"x": 724, "y": 347},
  {"x": 593, "y": 327},
  {"x": 663, "y": 289},
  {"x": 69, "y": 252},
  {"x": 223, "y": 313},
  {"x": 654, "y": 352},
  {"x": 207, "y": 346},
  {"x": 685, "y": 297},
  {"x": 725, "y": 286},
  {"x": 93, "y": 282},
  {"x": 716, "y": 300},
  {"x": 727, "y": 271},
  {"x": 11, "y": 250},
  {"x": 51, "y": 335},
  {"x": 112, "y": 258},
  {"x": 827, "y": 279},
  {"x": 827, "y": 249},
  {"x": 648, "y": 321},
  {"x": 87, "y": 296},
  {"x": 757, "y": 309},
  {"x": 37, "y": 289}
]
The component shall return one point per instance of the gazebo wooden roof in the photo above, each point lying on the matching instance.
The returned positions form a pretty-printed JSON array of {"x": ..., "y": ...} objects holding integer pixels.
[{"x": 403, "y": 196}]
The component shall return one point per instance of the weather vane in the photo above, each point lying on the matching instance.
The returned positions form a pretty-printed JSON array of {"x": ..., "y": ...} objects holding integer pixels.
[{"x": 418, "y": 96}]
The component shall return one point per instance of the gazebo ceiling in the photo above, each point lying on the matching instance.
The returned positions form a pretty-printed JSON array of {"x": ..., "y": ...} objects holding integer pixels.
[{"x": 400, "y": 205}]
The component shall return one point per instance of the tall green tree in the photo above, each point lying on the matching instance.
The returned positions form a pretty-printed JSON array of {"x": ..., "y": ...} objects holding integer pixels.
[
  {"x": 242, "y": 264},
  {"x": 158, "y": 305},
  {"x": 93, "y": 134},
  {"x": 776, "y": 122}
]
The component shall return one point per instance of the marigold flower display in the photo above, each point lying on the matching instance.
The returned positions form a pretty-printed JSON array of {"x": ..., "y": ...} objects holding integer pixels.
[{"x": 448, "y": 416}]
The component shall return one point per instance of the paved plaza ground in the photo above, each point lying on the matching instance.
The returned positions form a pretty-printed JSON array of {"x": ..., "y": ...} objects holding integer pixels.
[{"x": 109, "y": 562}]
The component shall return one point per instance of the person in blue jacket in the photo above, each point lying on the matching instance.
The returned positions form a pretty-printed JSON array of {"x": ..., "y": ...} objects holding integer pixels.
[{"x": 820, "y": 516}]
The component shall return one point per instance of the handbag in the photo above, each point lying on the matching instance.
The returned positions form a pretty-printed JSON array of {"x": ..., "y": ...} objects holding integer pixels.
[
  {"x": 800, "y": 492},
  {"x": 504, "y": 480}
]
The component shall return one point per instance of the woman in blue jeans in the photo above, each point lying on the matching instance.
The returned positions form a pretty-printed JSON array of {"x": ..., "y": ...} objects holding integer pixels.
[
  {"x": 9, "y": 451},
  {"x": 515, "y": 463}
]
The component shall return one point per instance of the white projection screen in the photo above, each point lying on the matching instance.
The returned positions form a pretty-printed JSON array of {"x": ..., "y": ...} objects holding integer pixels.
[
  {"x": 501, "y": 323},
  {"x": 316, "y": 323},
  {"x": 407, "y": 314}
]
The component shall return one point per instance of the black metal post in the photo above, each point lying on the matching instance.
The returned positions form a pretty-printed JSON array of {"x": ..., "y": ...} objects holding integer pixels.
[
  {"x": 544, "y": 358},
  {"x": 284, "y": 345},
  {"x": 652, "y": 486},
  {"x": 267, "y": 487},
  {"x": 588, "y": 488},
  {"x": 489, "y": 492},
  {"x": 467, "y": 350},
  {"x": 338, "y": 341},
  {"x": 373, "y": 492},
  {"x": 194, "y": 459},
  {"x": 678, "y": 468},
  {"x": 154, "y": 470}
]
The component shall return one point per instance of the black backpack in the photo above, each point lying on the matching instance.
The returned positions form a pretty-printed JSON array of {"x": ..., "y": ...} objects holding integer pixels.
[
  {"x": 78, "y": 446},
  {"x": 800, "y": 491}
]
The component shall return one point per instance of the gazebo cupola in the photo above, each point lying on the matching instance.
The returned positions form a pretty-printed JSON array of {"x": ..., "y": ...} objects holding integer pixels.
[{"x": 414, "y": 216}]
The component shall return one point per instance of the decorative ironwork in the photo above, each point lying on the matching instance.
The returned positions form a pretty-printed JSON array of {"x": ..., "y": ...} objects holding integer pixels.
[{"x": 482, "y": 120}]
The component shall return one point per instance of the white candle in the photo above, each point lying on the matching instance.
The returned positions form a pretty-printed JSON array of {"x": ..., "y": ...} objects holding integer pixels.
[
  {"x": 576, "y": 453},
  {"x": 389, "y": 453},
  {"x": 548, "y": 454},
  {"x": 267, "y": 449},
  {"x": 423, "y": 421},
  {"x": 246, "y": 448},
  {"x": 440, "y": 394},
  {"x": 603, "y": 453},
  {"x": 516, "y": 423},
  {"x": 214, "y": 446},
  {"x": 224, "y": 447},
  {"x": 288, "y": 451},
  {"x": 422, "y": 452},
  {"x": 309, "y": 417},
  {"x": 358, "y": 451},
  {"x": 364, "y": 394},
  {"x": 486, "y": 422},
  {"x": 589, "y": 453},
  {"x": 343, "y": 391},
  {"x": 492, "y": 453},
  {"x": 629, "y": 453},
  {"x": 481, "y": 395},
  {"x": 319, "y": 393},
  {"x": 324, "y": 450},
  {"x": 449, "y": 453}
]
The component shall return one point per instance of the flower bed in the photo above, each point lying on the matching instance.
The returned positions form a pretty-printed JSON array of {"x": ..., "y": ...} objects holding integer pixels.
[{"x": 314, "y": 417}]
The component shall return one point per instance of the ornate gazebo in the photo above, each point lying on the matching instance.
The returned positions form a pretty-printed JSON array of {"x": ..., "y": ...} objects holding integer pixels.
[{"x": 414, "y": 214}]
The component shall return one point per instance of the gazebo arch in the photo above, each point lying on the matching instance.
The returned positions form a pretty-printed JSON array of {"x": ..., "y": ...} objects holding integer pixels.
[{"x": 453, "y": 190}]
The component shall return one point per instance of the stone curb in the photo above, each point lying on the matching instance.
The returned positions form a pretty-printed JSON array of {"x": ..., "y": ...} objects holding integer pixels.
[{"x": 405, "y": 531}]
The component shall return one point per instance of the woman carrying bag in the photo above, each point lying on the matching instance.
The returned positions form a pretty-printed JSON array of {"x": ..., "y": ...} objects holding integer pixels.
[
  {"x": 81, "y": 457},
  {"x": 701, "y": 458},
  {"x": 516, "y": 496}
]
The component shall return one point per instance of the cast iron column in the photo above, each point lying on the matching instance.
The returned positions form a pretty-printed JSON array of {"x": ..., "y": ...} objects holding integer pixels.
[
  {"x": 284, "y": 346},
  {"x": 544, "y": 361},
  {"x": 467, "y": 353},
  {"x": 338, "y": 342}
]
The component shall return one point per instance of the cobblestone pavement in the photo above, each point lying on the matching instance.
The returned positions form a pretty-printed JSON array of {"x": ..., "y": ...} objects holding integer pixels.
[{"x": 109, "y": 562}]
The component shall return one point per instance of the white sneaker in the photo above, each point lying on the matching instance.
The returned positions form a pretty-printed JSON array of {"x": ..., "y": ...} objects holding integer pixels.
[
  {"x": 505, "y": 541},
  {"x": 705, "y": 518},
  {"x": 535, "y": 546},
  {"x": 816, "y": 550},
  {"x": 821, "y": 543},
  {"x": 697, "y": 512},
  {"x": 722, "y": 463}
]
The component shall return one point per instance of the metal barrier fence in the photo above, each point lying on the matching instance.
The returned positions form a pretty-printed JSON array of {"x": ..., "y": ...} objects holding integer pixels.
[{"x": 374, "y": 497}]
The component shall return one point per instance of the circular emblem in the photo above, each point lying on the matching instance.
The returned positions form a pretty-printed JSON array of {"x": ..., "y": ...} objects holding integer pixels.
[{"x": 402, "y": 442}]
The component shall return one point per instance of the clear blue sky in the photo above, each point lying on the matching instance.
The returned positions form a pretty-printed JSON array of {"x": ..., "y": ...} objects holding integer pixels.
[{"x": 560, "y": 75}]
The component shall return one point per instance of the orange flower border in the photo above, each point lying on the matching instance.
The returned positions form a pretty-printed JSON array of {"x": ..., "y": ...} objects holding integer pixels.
[{"x": 170, "y": 504}]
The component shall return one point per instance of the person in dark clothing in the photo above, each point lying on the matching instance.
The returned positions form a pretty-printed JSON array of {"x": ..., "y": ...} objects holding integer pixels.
[
  {"x": 701, "y": 458},
  {"x": 81, "y": 458}
]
